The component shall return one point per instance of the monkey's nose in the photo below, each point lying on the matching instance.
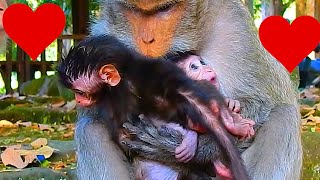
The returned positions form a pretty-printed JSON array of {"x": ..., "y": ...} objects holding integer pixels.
[
  {"x": 148, "y": 41},
  {"x": 147, "y": 36}
]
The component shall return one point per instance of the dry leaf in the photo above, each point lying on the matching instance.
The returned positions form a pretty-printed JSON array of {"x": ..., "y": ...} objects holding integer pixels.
[
  {"x": 309, "y": 113},
  {"x": 5, "y": 96},
  {"x": 39, "y": 143},
  {"x": 58, "y": 165},
  {"x": 25, "y": 124},
  {"x": 12, "y": 157},
  {"x": 5, "y": 123},
  {"x": 23, "y": 140},
  {"x": 58, "y": 104},
  {"x": 61, "y": 128},
  {"x": 17, "y": 146},
  {"x": 45, "y": 127},
  {"x": 71, "y": 105},
  {"x": 69, "y": 134},
  {"x": 45, "y": 150}
]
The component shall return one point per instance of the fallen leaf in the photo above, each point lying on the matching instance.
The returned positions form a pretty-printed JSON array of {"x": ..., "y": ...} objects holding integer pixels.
[
  {"x": 69, "y": 134},
  {"x": 12, "y": 157},
  {"x": 58, "y": 104},
  {"x": 25, "y": 124},
  {"x": 5, "y": 96},
  {"x": 45, "y": 127},
  {"x": 5, "y": 123},
  {"x": 47, "y": 151},
  {"x": 17, "y": 146},
  {"x": 309, "y": 113},
  {"x": 71, "y": 105},
  {"x": 61, "y": 128},
  {"x": 58, "y": 165},
  {"x": 23, "y": 140},
  {"x": 38, "y": 143}
]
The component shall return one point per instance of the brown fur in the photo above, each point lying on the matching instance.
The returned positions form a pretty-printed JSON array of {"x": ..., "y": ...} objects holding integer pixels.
[{"x": 223, "y": 33}]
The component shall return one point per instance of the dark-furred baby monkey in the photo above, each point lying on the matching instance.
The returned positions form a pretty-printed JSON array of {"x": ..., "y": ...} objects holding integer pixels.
[{"x": 110, "y": 76}]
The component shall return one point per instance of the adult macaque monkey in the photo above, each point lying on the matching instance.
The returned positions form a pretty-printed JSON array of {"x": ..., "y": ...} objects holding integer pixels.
[{"x": 223, "y": 34}]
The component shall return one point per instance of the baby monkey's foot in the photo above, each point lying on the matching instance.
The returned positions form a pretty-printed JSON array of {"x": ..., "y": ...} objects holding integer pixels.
[{"x": 222, "y": 172}]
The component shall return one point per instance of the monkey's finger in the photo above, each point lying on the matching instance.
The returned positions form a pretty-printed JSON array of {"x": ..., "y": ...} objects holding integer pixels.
[
  {"x": 183, "y": 156},
  {"x": 231, "y": 105},
  {"x": 236, "y": 106}
]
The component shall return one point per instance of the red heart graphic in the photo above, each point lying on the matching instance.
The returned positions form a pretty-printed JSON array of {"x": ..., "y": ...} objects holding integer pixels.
[
  {"x": 290, "y": 44},
  {"x": 33, "y": 31}
]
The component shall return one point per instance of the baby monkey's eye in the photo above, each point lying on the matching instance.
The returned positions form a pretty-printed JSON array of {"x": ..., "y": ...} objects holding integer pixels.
[
  {"x": 81, "y": 93},
  {"x": 194, "y": 66},
  {"x": 1, "y": 9}
]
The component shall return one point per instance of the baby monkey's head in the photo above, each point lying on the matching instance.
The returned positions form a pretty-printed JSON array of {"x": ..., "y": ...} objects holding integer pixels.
[
  {"x": 92, "y": 66},
  {"x": 195, "y": 67}
]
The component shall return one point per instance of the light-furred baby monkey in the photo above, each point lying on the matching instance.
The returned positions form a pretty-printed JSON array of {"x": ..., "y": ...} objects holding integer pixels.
[
  {"x": 196, "y": 69},
  {"x": 113, "y": 78}
]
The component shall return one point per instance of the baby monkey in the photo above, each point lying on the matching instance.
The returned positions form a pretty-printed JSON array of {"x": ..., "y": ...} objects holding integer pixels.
[
  {"x": 122, "y": 84},
  {"x": 196, "y": 69}
]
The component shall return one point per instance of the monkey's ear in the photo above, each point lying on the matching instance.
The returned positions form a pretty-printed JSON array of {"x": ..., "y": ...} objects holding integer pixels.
[{"x": 110, "y": 75}]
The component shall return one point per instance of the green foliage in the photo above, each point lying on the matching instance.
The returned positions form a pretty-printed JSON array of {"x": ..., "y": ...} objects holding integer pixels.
[
  {"x": 37, "y": 114},
  {"x": 257, "y": 7}
]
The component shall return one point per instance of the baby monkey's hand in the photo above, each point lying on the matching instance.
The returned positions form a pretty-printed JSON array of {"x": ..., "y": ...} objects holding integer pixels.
[
  {"x": 233, "y": 105},
  {"x": 236, "y": 125},
  {"x": 187, "y": 149}
]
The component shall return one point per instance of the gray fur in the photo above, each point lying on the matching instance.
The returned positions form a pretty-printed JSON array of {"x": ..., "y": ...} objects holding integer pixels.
[{"x": 223, "y": 33}]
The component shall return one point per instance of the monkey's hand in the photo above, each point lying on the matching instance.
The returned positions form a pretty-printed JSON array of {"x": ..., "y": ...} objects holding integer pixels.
[
  {"x": 187, "y": 149},
  {"x": 160, "y": 144},
  {"x": 237, "y": 126},
  {"x": 233, "y": 105}
]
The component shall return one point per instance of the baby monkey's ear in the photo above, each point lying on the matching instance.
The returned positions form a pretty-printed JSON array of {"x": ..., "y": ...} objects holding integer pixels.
[{"x": 110, "y": 75}]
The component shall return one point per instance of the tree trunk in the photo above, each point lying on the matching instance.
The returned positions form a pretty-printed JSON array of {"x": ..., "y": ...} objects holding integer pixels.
[
  {"x": 278, "y": 8},
  {"x": 267, "y": 8}
]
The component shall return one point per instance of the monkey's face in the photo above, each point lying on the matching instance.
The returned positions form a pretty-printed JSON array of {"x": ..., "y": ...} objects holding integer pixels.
[
  {"x": 84, "y": 87},
  {"x": 153, "y": 24},
  {"x": 3, "y": 6},
  {"x": 88, "y": 86},
  {"x": 198, "y": 70}
]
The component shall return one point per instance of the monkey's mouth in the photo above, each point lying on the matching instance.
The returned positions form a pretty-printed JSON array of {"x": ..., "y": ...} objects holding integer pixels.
[{"x": 213, "y": 81}]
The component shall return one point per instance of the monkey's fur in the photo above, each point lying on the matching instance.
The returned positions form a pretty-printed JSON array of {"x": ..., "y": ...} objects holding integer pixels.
[
  {"x": 228, "y": 41},
  {"x": 135, "y": 94}
]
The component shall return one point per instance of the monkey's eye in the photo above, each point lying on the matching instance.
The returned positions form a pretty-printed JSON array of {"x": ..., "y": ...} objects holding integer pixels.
[
  {"x": 81, "y": 93},
  {"x": 194, "y": 66},
  {"x": 1, "y": 9},
  {"x": 166, "y": 7}
]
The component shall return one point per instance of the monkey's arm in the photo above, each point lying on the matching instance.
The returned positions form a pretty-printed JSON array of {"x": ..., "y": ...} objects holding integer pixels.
[
  {"x": 276, "y": 152},
  {"x": 98, "y": 157},
  {"x": 159, "y": 144}
]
